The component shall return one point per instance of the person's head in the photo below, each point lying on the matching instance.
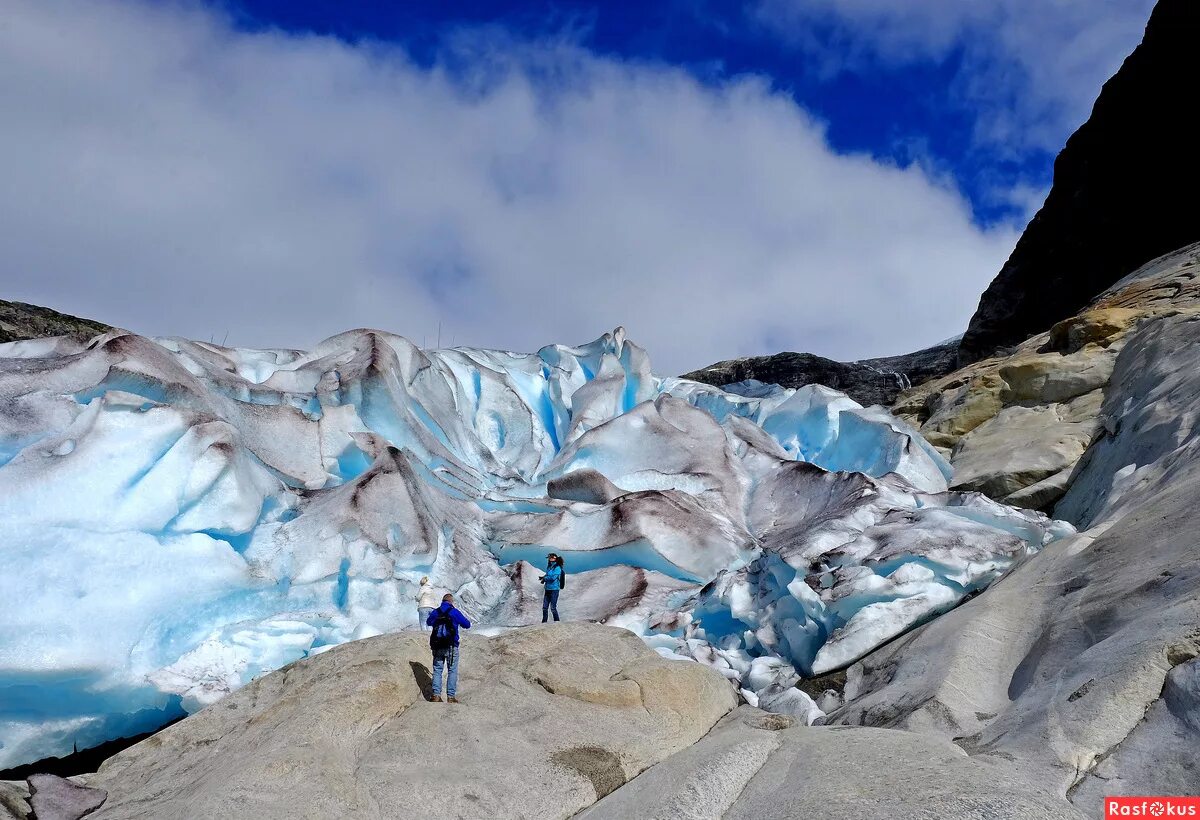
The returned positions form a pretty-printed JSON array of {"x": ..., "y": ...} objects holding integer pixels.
[
  {"x": 551, "y": 559},
  {"x": 424, "y": 580},
  {"x": 448, "y": 599}
]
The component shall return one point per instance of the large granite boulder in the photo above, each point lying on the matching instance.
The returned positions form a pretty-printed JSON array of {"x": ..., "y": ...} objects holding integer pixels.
[
  {"x": 1080, "y": 666},
  {"x": 1124, "y": 193},
  {"x": 759, "y": 766},
  {"x": 551, "y": 719}
]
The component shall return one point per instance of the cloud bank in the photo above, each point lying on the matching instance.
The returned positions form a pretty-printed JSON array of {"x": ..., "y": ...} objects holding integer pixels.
[
  {"x": 166, "y": 172},
  {"x": 1033, "y": 68}
]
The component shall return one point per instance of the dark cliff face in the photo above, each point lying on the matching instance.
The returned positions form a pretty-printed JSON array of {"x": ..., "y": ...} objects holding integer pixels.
[
  {"x": 870, "y": 381},
  {"x": 1125, "y": 192},
  {"x": 21, "y": 321}
]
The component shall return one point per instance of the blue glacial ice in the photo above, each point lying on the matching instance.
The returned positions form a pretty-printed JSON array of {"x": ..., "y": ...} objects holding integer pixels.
[{"x": 177, "y": 518}]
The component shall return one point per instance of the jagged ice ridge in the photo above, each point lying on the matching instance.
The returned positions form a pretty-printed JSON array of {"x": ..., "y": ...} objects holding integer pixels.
[{"x": 177, "y": 518}]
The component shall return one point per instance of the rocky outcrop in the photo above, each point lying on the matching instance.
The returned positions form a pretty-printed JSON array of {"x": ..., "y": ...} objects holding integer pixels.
[
  {"x": 868, "y": 381},
  {"x": 551, "y": 719},
  {"x": 21, "y": 321},
  {"x": 1080, "y": 667},
  {"x": 56, "y": 798},
  {"x": 1015, "y": 427},
  {"x": 14, "y": 800},
  {"x": 760, "y": 766},
  {"x": 1124, "y": 193}
]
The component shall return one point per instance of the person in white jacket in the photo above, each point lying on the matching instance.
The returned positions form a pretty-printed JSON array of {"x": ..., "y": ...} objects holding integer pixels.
[{"x": 427, "y": 601}]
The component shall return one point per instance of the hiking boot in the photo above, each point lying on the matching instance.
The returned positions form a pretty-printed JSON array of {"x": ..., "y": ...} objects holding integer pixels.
[
  {"x": 452, "y": 700},
  {"x": 436, "y": 699}
]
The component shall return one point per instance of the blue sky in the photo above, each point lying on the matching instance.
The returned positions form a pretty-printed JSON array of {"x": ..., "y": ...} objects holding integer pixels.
[
  {"x": 733, "y": 178},
  {"x": 898, "y": 110}
]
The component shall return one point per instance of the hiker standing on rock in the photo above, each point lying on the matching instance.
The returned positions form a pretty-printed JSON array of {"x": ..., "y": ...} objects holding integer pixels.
[
  {"x": 427, "y": 601},
  {"x": 554, "y": 579},
  {"x": 445, "y": 621}
]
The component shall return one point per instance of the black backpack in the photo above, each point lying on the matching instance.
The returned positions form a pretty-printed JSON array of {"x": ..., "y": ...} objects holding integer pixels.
[
  {"x": 444, "y": 631},
  {"x": 562, "y": 577}
]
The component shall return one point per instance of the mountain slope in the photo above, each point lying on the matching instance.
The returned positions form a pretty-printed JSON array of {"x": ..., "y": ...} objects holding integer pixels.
[
  {"x": 1124, "y": 192},
  {"x": 21, "y": 321},
  {"x": 868, "y": 381}
]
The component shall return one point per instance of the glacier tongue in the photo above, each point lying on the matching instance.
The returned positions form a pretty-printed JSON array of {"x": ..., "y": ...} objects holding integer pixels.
[{"x": 177, "y": 518}]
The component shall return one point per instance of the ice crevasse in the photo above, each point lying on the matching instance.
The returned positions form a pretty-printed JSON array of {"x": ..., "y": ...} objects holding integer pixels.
[{"x": 177, "y": 518}]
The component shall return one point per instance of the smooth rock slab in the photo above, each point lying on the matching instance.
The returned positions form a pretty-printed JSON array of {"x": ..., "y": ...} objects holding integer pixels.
[
  {"x": 551, "y": 718},
  {"x": 1079, "y": 665},
  {"x": 759, "y": 766},
  {"x": 55, "y": 798}
]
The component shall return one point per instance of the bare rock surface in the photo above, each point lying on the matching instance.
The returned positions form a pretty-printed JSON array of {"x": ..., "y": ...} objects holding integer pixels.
[
  {"x": 764, "y": 766},
  {"x": 1016, "y": 426},
  {"x": 550, "y": 719},
  {"x": 1022, "y": 446},
  {"x": 1079, "y": 666},
  {"x": 19, "y": 321},
  {"x": 867, "y": 381},
  {"x": 1123, "y": 193},
  {"x": 56, "y": 798},
  {"x": 14, "y": 800}
]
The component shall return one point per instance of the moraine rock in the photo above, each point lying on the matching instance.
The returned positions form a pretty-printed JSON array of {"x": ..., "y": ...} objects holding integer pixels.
[{"x": 551, "y": 719}]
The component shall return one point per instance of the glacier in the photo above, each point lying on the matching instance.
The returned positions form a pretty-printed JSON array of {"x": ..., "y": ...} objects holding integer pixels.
[{"x": 178, "y": 518}]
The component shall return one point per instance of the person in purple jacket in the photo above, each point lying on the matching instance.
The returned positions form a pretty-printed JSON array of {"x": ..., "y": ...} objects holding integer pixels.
[{"x": 443, "y": 640}]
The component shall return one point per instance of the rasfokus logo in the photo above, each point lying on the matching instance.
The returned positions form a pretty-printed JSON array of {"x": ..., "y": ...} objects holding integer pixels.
[{"x": 1151, "y": 807}]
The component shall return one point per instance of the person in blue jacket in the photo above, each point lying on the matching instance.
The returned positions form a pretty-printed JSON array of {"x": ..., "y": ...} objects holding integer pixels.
[
  {"x": 553, "y": 580},
  {"x": 443, "y": 640}
]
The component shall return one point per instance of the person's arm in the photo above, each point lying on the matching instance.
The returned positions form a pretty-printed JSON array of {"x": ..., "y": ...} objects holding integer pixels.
[
  {"x": 430, "y": 617},
  {"x": 461, "y": 619}
]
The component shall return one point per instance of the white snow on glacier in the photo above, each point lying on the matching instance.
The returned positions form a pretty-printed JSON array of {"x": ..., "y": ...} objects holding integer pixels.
[{"x": 177, "y": 518}]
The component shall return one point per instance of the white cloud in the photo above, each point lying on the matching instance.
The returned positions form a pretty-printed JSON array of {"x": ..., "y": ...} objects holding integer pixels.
[
  {"x": 167, "y": 173},
  {"x": 1033, "y": 67}
]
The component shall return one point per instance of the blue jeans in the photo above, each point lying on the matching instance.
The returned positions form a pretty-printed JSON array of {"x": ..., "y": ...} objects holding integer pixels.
[
  {"x": 440, "y": 656},
  {"x": 550, "y": 602},
  {"x": 422, "y": 616}
]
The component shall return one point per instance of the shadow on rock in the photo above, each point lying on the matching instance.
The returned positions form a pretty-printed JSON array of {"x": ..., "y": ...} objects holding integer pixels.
[{"x": 422, "y": 677}]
